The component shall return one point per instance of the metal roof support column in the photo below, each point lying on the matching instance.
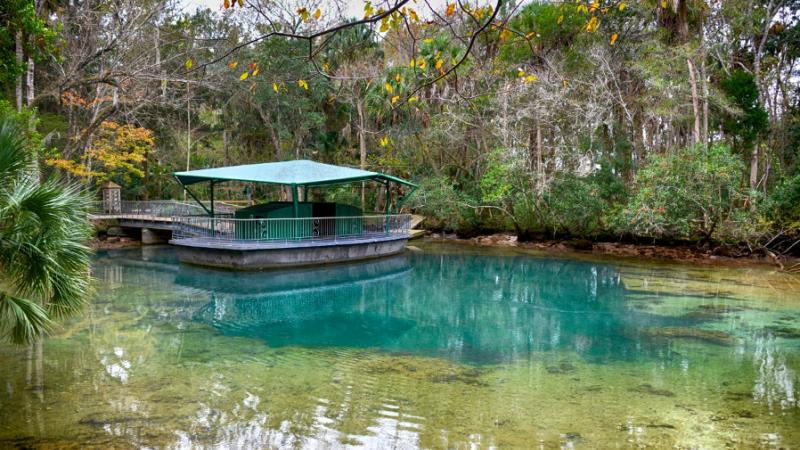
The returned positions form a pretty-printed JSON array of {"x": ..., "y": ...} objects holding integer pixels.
[
  {"x": 386, "y": 227},
  {"x": 211, "y": 188},
  {"x": 388, "y": 198},
  {"x": 295, "y": 205},
  {"x": 296, "y": 208},
  {"x": 194, "y": 197}
]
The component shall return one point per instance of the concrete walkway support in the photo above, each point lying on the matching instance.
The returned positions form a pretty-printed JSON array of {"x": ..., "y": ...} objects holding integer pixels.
[{"x": 152, "y": 237}]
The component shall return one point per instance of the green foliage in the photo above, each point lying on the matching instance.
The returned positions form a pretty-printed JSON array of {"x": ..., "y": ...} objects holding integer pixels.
[
  {"x": 783, "y": 205},
  {"x": 546, "y": 26},
  {"x": 437, "y": 199},
  {"x": 751, "y": 121},
  {"x": 577, "y": 206},
  {"x": 43, "y": 229},
  {"x": 686, "y": 194},
  {"x": 38, "y": 39}
]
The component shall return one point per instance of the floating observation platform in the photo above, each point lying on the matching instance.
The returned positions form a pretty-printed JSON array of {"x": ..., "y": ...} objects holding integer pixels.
[{"x": 288, "y": 233}]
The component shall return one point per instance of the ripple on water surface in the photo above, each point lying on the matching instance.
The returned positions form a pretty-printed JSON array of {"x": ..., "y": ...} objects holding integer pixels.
[{"x": 452, "y": 347}]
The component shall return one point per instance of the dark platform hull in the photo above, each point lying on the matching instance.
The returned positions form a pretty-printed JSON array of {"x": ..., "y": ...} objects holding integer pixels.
[{"x": 259, "y": 256}]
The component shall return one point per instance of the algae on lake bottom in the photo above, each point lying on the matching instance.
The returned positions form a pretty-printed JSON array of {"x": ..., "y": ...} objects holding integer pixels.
[{"x": 438, "y": 349}]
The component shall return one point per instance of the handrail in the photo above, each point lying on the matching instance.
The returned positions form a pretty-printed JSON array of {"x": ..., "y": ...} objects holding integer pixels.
[
  {"x": 291, "y": 229},
  {"x": 160, "y": 209}
]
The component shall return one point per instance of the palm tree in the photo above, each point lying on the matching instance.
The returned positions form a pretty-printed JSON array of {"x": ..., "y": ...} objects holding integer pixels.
[{"x": 44, "y": 261}]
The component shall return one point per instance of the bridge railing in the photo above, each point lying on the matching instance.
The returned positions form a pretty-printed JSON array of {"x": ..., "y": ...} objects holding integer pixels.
[
  {"x": 158, "y": 209},
  {"x": 291, "y": 229}
]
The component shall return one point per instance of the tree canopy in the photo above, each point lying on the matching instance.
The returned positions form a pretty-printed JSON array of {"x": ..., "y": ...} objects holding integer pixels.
[{"x": 555, "y": 118}]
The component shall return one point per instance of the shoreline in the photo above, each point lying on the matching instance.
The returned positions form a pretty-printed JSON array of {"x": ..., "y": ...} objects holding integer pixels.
[{"x": 677, "y": 253}]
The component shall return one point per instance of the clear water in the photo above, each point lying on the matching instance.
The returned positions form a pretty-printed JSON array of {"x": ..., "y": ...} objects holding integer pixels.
[{"x": 447, "y": 347}]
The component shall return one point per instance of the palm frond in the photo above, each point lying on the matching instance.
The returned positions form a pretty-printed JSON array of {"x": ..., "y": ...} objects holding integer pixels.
[
  {"x": 14, "y": 158},
  {"x": 44, "y": 262},
  {"x": 21, "y": 321}
]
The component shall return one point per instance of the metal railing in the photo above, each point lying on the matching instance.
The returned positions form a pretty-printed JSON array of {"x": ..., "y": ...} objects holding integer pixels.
[
  {"x": 159, "y": 209},
  {"x": 289, "y": 230}
]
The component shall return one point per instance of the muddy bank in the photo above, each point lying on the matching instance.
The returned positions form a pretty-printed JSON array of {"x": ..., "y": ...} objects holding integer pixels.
[
  {"x": 681, "y": 253},
  {"x": 113, "y": 242}
]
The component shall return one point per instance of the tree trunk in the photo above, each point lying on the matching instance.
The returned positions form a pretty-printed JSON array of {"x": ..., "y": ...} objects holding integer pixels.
[
  {"x": 29, "y": 88},
  {"x": 695, "y": 101},
  {"x": 157, "y": 38},
  {"x": 754, "y": 167},
  {"x": 225, "y": 145},
  {"x": 704, "y": 78},
  {"x": 362, "y": 145},
  {"x": 20, "y": 57},
  {"x": 539, "y": 159},
  {"x": 188, "y": 132}
]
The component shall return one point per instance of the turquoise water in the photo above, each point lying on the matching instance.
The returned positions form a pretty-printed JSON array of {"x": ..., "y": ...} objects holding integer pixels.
[{"x": 448, "y": 346}]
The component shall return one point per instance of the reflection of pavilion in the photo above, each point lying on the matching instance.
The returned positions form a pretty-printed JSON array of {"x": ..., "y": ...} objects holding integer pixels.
[
  {"x": 474, "y": 309},
  {"x": 330, "y": 305}
]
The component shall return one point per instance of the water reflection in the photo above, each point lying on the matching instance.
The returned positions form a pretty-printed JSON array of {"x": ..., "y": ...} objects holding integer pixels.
[
  {"x": 467, "y": 308},
  {"x": 439, "y": 350}
]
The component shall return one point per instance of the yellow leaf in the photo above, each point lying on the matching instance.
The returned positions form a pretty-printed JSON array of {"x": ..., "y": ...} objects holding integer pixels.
[
  {"x": 530, "y": 78},
  {"x": 664, "y": 4},
  {"x": 421, "y": 64},
  {"x": 412, "y": 99},
  {"x": 326, "y": 67},
  {"x": 317, "y": 14},
  {"x": 614, "y": 38},
  {"x": 384, "y": 25},
  {"x": 189, "y": 63},
  {"x": 583, "y": 9},
  {"x": 368, "y": 10},
  {"x": 303, "y": 13},
  {"x": 395, "y": 99},
  {"x": 427, "y": 40},
  {"x": 226, "y": 4},
  {"x": 384, "y": 141},
  {"x": 275, "y": 87},
  {"x": 565, "y": 83},
  {"x": 595, "y": 6},
  {"x": 397, "y": 78},
  {"x": 302, "y": 84},
  {"x": 560, "y": 19},
  {"x": 233, "y": 64},
  {"x": 255, "y": 72},
  {"x": 412, "y": 63},
  {"x": 243, "y": 76},
  {"x": 241, "y": 3},
  {"x": 621, "y": 6},
  {"x": 592, "y": 24},
  {"x": 413, "y": 15},
  {"x": 388, "y": 88},
  {"x": 451, "y": 9},
  {"x": 439, "y": 64}
]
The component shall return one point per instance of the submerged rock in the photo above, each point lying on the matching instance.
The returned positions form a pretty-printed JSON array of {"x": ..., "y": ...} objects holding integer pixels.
[
  {"x": 784, "y": 332},
  {"x": 710, "y": 336},
  {"x": 563, "y": 367},
  {"x": 650, "y": 390},
  {"x": 661, "y": 425},
  {"x": 704, "y": 312}
]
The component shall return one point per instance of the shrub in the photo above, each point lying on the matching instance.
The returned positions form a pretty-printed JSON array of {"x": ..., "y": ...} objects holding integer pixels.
[
  {"x": 783, "y": 205},
  {"x": 686, "y": 194}
]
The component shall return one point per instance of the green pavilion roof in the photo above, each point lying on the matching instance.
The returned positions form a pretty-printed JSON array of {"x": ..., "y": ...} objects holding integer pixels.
[{"x": 293, "y": 173}]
